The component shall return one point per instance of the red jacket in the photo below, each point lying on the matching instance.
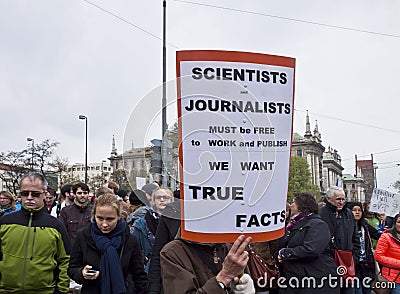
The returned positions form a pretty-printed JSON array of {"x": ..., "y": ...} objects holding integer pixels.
[{"x": 387, "y": 254}]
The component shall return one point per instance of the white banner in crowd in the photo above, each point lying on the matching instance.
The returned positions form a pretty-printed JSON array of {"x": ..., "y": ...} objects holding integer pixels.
[
  {"x": 235, "y": 114},
  {"x": 383, "y": 201}
]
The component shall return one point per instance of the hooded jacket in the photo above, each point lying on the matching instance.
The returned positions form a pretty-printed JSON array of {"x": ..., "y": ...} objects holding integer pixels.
[
  {"x": 184, "y": 271},
  {"x": 34, "y": 253}
]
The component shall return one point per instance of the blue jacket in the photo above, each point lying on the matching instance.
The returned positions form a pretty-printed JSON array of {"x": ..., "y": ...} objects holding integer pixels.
[{"x": 143, "y": 234}]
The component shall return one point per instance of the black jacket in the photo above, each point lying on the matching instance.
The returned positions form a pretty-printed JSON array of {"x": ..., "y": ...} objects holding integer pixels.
[
  {"x": 75, "y": 218},
  {"x": 304, "y": 253},
  {"x": 84, "y": 252},
  {"x": 368, "y": 264},
  {"x": 167, "y": 229},
  {"x": 343, "y": 230}
]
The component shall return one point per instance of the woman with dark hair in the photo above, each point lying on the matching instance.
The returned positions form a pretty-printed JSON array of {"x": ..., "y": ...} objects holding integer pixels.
[
  {"x": 306, "y": 265},
  {"x": 387, "y": 253},
  {"x": 7, "y": 203},
  {"x": 365, "y": 267},
  {"x": 105, "y": 252}
]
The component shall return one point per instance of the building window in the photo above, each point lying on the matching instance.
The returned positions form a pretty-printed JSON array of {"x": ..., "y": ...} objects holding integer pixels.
[
  {"x": 97, "y": 167},
  {"x": 353, "y": 186},
  {"x": 344, "y": 186},
  {"x": 78, "y": 169},
  {"x": 300, "y": 153}
]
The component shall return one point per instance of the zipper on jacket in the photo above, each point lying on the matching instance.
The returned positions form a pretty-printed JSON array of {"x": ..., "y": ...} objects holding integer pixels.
[
  {"x": 33, "y": 243},
  {"x": 26, "y": 251}
]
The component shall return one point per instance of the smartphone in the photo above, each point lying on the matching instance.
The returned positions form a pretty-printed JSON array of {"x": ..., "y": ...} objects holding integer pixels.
[{"x": 91, "y": 272}]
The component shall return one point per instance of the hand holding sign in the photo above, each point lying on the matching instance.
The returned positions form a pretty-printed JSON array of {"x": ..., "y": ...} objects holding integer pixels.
[{"x": 385, "y": 202}]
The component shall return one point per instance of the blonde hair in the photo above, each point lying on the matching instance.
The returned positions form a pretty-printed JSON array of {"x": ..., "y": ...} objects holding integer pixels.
[
  {"x": 108, "y": 199},
  {"x": 10, "y": 196},
  {"x": 168, "y": 191}
]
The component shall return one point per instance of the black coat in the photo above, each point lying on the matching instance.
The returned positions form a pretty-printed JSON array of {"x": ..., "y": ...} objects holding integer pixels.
[
  {"x": 167, "y": 229},
  {"x": 366, "y": 268},
  {"x": 342, "y": 228},
  {"x": 305, "y": 253},
  {"x": 84, "y": 252}
]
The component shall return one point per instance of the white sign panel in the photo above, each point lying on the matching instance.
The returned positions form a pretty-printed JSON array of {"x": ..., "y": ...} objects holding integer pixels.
[
  {"x": 385, "y": 202},
  {"x": 235, "y": 120},
  {"x": 140, "y": 182}
]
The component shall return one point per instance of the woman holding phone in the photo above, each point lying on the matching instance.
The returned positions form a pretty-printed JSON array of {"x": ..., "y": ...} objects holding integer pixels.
[{"x": 105, "y": 252}]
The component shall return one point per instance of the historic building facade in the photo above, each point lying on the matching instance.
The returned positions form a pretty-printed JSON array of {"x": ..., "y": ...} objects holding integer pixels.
[{"x": 325, "y": 167}]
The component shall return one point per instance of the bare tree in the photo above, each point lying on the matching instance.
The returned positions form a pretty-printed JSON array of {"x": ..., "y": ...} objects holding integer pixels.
[
  {"x": 43, "y": 155},
  {"x": 60, "y": 167},
  {"x": 13, "y": 166}
]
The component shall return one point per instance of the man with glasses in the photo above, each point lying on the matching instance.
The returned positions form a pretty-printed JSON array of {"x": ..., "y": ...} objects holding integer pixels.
[
  {"x": 342, "y": 226},
  {"x": 76, "y": 216},
  {"x": 34, "y": 246}
]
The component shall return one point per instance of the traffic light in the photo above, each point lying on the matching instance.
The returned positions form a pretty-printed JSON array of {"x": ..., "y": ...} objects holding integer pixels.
[{"x": 156, "y": 158}]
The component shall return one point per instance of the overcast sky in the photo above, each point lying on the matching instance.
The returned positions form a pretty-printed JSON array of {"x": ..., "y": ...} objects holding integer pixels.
[{"x": 59, "y": 59}]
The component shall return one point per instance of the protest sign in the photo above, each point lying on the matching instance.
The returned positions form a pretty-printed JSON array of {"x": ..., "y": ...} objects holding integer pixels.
[
  {"x": 385, "y": 202},
  {"x": 235, "y": 113}
]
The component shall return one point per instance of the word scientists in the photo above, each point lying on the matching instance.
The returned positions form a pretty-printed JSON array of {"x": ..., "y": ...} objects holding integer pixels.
[{"x": 235, "y": 74}]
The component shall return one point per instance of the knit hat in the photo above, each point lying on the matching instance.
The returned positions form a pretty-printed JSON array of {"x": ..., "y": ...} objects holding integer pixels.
[
  {"x": 122, "y": 192},
  {"x": 138, "y": 197},
  {"x": 177, "y": 194},
  {"x": 149, "y": 188},
  {"x": 350, "y": 205}
]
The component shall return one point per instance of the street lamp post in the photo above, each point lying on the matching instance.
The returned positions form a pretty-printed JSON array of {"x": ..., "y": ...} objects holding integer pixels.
[
  {"x": 84, "y": 117},
  {"x": 33, "y": 150}
]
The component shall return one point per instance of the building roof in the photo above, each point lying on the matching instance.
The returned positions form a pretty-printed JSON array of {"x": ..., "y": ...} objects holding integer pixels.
[{"x": 350, "y": 177}]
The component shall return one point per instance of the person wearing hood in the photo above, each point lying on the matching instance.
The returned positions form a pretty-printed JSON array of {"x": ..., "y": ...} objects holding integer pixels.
[
  {"x": 194, "y": 267},
  {"x": 42, "y": 268},
  {"x": 137, "y": 208},
  {"x": 366, "y": 265},
  {"x": 76, "y": 216},
  {"x": 304, "y": 256},
  {"x": 149, "y": 190},
  {"x": 105, "y": 252}
]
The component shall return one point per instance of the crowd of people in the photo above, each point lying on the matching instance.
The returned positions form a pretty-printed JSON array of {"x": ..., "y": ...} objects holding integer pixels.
[{"x": 118, "y": 241}]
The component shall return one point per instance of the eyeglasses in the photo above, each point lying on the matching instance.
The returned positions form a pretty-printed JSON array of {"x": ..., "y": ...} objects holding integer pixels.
[
  {"x": 82, "y": 192},
  {"x": 356, "y": 210},
  {"x": 33, "y": 193},
  {"x": 340, "y": 199},
  {"x": 4, "y": 199},
  {"x": 165, "y": 197}
]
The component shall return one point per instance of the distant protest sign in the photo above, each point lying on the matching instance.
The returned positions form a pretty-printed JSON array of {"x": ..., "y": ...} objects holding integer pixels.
[
  {"x": 385, "y": 202},
  {"x": 235, "y": 113}
]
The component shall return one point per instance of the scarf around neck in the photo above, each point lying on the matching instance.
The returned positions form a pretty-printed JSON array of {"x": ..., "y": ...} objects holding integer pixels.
[
  {"x": 296, "y": 219},
  {"x": 111, "y": 276}
]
